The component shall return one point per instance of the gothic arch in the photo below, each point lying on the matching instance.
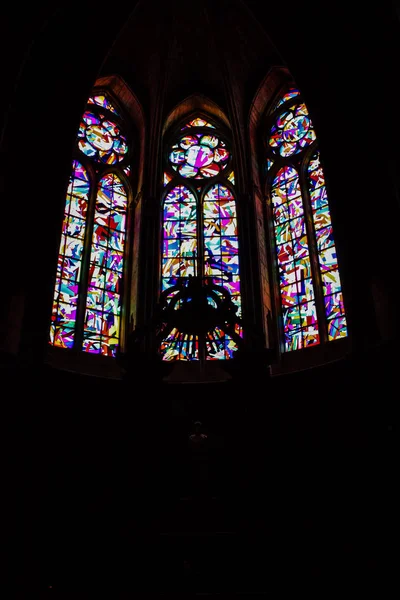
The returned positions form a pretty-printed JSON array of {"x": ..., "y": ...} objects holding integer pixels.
[
  {"x": 194, "y": 104},
  {"x": 95, "y": 285},
  {"x": 305, "y": 299},
  {"x": 199, "y": 228}
]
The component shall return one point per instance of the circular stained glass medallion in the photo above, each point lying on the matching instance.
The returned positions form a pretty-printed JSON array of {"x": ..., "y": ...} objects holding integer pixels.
[
  {"x": 292, "y": 131},
  {"x": 101, "y": 139},
  {"x": 199, "y": 156}
]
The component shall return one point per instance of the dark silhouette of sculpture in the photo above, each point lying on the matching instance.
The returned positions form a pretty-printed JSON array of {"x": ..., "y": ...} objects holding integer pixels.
[{"x": 199, "y": 475}]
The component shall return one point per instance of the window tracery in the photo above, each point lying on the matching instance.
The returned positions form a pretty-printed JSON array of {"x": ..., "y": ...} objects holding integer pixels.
[
  {"x": 310, "y": 292},
  {"x": 200, "y": 235},
  {"x": 88, "y": 289}
]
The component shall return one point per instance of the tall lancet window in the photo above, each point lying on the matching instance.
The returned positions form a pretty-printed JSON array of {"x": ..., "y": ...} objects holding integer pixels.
[
  {"x": 310, "y": 292},
  {"x": 88, "y": 289},
  {"x": 199, "y": 236}
]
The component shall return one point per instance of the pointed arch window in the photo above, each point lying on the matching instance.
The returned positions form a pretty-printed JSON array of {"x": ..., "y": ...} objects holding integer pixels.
[
  {"x": 199, "y": 233},
  {"x": 310, "y": 296},
  {"x": 89, "y": 280}
]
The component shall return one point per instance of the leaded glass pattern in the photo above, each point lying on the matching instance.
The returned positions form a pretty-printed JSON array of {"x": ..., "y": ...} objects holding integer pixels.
[
  {"x": 87, "y": 302},
  {"x": 293, "y": 256},
  {"x": 102, "y": 101},
  {"x": 167, "y": 178},
  {"x": 327, "y": 258},
  {"x": 303, "y": 237},
  {"x": 200, "y": 235},
  {"x": 103, "y": 300},
  {"x": 69, "y": 267},
  {"x": 198, "y": 156},
  {"x": 221, "y": 245},
  {"x": 179, "y": 236},
  {"x": 292, "y": 131},
  {"x": 198, "y": 122},
  {"x": 101, "y": 138},
  {"x": 292, "y": 93},
  {"x": 180, "y": 346},
  {"x": 221, "y": 257}
]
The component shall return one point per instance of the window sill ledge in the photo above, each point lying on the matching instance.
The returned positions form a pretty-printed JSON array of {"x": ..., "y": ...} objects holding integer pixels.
[{"x": 95, "y": 365}]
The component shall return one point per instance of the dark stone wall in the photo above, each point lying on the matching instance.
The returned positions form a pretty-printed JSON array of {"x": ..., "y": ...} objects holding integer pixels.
[{"x": 103, "y": 492}]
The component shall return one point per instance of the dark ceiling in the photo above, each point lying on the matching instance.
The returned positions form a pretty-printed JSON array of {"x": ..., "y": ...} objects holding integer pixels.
[{"x": 191, "y": 46}]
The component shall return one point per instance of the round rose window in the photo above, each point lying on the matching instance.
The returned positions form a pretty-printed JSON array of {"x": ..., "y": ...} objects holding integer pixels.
[
  {"x": 101, "y": 139},
  {"x": 199, "y": 155},
  {"x": 293, "y": 131}
]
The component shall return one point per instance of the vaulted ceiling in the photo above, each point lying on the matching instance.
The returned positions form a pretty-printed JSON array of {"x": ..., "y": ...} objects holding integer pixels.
[{"x": 179, "y": 48}]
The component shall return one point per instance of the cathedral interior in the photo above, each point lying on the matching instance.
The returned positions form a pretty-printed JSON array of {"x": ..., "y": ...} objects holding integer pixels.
[{"x": 270, "y": 468}]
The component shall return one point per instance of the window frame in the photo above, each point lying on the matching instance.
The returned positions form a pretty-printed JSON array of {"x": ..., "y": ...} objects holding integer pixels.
[
  {"x": 300, "y": 161},
  {"x": 198, "y": 187},
  {"x": 96, "y": 171}
]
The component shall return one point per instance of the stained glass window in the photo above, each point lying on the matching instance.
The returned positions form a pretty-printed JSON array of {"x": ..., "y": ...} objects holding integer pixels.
[
  {"x": 311, "y": 298},
  {"x": 292, "y": 131},
  {"x": 292, "y": 93},
  {"x": 221, "y": 256},
  {"x": 103, "y": 300},
  {"x": 87, "y": 297},
  {"x": 101, "y": 139},
  {"x": 69, "y": 268},
  {"x": 103, "y": 101},
  {"x": 179, "y": 236},
  {"x": 198, "y": 123},
  {"x": 293, "y": 257},
  {"x": 200, "y": 237},
  {"x": 327, "y": 259},
  {"x": 199, "y": 155}
]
